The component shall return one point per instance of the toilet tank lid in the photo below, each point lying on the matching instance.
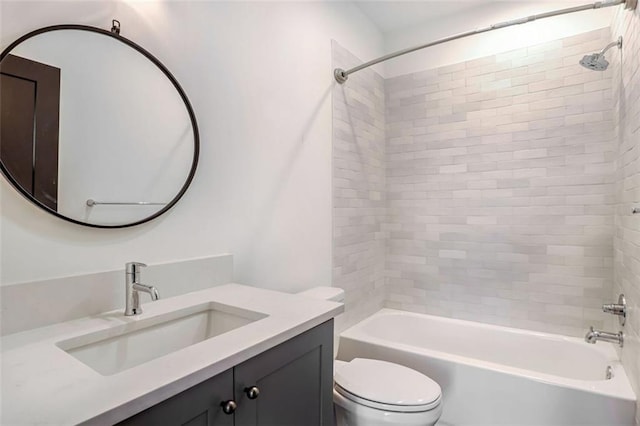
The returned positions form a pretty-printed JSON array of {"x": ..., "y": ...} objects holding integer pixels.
[
  {"x": 334, "y": 294},
  {"x": 387, "y": 383}
]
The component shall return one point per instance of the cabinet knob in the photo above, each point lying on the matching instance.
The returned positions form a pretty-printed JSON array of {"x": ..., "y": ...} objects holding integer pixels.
[
  {"x": 252, "y": 392},
  {"x": 229, "y": 407}
]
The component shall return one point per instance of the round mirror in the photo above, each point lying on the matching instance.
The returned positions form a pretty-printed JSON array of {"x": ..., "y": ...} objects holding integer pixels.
[{"x": 93, "y": 128}]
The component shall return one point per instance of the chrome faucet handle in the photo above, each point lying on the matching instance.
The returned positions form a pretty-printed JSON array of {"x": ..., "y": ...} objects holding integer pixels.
[{"x": 134, "y": 268}]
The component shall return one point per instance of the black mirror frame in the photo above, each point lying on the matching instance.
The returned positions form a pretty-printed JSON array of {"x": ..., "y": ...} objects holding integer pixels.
[{"x": 167, "y": 73}]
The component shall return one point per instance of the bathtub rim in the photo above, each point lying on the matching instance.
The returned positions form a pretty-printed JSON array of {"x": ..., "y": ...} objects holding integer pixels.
[{"x": 618, "y": 386}]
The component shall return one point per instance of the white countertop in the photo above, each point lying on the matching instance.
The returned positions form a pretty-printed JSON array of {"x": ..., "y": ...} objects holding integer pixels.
[{"x": 43, "y": 385}]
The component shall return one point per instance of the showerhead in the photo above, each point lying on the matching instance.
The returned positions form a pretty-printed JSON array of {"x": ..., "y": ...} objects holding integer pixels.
[{"x": 597, "y": 61}]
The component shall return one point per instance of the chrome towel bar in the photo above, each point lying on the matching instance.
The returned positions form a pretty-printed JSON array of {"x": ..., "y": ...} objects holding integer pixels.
[{"x": 92, "y": 203}]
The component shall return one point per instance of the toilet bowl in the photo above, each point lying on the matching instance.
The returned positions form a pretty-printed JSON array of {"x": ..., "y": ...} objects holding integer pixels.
[
  {"x": 376, "y": 393},
  {"x": 369, "y": 392}
]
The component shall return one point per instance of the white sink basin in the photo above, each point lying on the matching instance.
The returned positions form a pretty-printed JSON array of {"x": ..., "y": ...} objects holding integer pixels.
[{"x": 125, "y": 346}]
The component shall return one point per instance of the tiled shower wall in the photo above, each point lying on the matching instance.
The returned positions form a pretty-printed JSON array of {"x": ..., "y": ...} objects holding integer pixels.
[
  {"x": 626, "y": 92},
  {"x": 500, "y": 186},
  {"x": 358, "y": 190}
]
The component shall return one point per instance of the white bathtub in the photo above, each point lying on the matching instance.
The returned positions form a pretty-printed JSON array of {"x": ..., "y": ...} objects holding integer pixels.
[{"x": 493, "y": 375}]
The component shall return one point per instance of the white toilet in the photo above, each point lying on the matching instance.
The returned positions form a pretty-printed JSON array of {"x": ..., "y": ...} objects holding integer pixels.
[
  {"x": 369, "y": 392},
  {"x": 376, "y": 393}
]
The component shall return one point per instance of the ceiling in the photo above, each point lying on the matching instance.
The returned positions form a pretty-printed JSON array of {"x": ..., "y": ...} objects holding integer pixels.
[
  {"x": 392, "y": 15},
  {"x": 389, "y": 16}
]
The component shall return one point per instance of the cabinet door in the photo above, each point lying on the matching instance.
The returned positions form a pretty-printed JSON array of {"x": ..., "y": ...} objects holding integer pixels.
[
  {"x": 197, "y": 406},
  {"x": 295, "y": 382}
]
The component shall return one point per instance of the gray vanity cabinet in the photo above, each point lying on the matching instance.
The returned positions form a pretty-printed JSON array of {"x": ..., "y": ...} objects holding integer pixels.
[{"x": 288, "y": 385}]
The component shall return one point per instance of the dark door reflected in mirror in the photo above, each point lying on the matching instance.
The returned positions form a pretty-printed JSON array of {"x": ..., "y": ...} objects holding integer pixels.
[
  {"x": 30, "y": 104},
  {"x": 94, "y": 129}
]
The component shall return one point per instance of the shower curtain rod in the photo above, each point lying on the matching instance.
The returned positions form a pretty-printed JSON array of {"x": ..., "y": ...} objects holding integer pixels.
[{"x": 341, "y": 75}]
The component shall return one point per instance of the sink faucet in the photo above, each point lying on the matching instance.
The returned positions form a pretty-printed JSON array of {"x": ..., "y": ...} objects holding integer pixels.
[
  {"x": 133, "y": 287},
  {"x": 594, "y": 335}
]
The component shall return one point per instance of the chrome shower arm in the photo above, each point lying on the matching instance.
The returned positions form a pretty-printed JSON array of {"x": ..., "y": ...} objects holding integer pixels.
[{"x": 612, "y": 44}]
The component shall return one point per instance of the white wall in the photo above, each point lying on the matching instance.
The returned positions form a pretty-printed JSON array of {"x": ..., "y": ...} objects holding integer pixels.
[
  {"x": 259, "y": 77},
  {"x": 490, "y": 43}
]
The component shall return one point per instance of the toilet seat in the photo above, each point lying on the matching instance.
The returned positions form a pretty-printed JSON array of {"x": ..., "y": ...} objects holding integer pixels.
[
  {"x": 386, "y": 407},
  {"x": 386, "y": 386}
]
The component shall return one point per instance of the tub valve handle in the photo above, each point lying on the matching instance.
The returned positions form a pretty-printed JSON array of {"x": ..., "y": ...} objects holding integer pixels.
[{"x": 619, "y": 309}]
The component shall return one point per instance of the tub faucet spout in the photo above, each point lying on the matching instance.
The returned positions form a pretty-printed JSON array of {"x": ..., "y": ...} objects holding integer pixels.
[{"x": 593, "y": 336}]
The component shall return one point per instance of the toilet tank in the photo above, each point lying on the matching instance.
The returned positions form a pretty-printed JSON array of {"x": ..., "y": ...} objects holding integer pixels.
[{"x": 334, "y": 294}]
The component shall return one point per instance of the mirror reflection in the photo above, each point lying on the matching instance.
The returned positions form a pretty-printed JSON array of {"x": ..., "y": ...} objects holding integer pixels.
[{"x": 92, "y": 129}]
